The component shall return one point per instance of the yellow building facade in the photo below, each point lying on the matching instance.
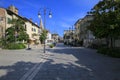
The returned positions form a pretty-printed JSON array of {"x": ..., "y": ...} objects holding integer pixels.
[{"x": 32, "y": 29}]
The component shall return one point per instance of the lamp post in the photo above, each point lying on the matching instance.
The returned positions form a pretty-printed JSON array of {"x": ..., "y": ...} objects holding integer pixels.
[{"x": 44, "y": 13}]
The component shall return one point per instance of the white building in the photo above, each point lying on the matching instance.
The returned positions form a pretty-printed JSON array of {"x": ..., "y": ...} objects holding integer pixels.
[{"x": 49, "y": 39}]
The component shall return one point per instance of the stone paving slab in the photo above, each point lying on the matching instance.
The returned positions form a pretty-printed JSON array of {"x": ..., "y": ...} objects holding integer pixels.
[
  {"x": 15, "y": 63},
  {"x": 70, "y": 63},
  {"x": 60, "y": 63}
]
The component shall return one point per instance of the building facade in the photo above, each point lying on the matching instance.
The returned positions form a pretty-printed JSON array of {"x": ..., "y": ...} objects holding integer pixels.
[
  {"x": 49, "y": 39},
  {"x": 55, "y": 37},
  {"x": 69, "y": 37},
  {"x": 83, "y": 35},
  {"x": 32, "y": 29},
  {"x": 77, "y": 32}
]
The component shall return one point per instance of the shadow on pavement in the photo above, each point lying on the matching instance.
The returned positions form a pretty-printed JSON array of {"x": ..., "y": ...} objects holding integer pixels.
[
  {"x": 49, "y": 71},
  {"x": 61, "y": 71},
  {"x": 88, "y": 66},
  {"x": 93, "y": 64},
  {"x": 16, "y": 71}
]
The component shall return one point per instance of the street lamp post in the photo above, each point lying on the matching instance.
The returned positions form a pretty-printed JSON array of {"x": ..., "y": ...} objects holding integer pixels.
[{"x": 44, "y": 13}]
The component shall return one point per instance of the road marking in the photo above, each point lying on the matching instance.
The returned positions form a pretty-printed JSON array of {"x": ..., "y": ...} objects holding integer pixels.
[
  {"x": 29, "y": 72},
  {"x": 34, "y": 70}
]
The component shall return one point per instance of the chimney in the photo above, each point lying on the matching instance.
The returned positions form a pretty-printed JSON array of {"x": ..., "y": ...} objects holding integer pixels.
[{"x": 13, "y": 9}]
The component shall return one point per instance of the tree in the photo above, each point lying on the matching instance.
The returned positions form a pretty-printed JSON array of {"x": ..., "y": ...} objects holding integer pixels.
[
  {"x": 43, "y": 36},
  {"x": 23, "y": 36},
  {"x": 17, "y": 31},
  {"x": 106, "y": 22},
  {"x": 10, "y": 34}
]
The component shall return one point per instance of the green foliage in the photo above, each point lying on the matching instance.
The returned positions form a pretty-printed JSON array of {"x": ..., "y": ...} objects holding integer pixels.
[
  {"x": 17, "y": 31},
  {"x": 36, "y": 42},
  {"x": 65, "y": 43},
  {"x": 15, "y": 46},
  {"x": 51, "y": 45},
  {"x": 113, "y": 52},
  {"x": 10, "y": 35},
  {"x": 17, "y": 24},
  {"x": 106, "y": 22},
  {"x": 2, "y": 42},
  {"x": 43, "y": 36},
  {"x": 80, "y": 43},
  {"x": 34, "y": 34},
  {"x": 23, "y": 36}
]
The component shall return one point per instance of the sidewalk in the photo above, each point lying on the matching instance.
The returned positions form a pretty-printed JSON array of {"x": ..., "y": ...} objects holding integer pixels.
[
  {"x": 15, "y": 63},
  {"x": 33, "y": 46}
]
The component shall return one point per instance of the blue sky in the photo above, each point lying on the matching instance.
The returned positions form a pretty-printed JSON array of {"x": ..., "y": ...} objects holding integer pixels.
[{"x": 65, "y": 12}]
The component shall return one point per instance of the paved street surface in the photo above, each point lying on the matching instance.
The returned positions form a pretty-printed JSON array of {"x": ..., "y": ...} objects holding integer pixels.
[{"x": 59, "y": 63}]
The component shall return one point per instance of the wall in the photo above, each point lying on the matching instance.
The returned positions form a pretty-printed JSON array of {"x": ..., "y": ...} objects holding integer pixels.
[{"x": 2, "y": 22}]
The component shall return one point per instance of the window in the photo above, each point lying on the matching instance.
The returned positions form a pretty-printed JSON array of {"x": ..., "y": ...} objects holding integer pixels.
[
  {"x": 32, "y": 29},
  {"x": 25, "y": 27},
  {"x": 8, "y": 20}
]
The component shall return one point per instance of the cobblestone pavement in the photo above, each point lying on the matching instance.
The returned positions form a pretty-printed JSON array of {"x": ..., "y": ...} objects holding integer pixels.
[
  {"x": 70, "y": 63},
  {"x": 19, "y": 64},
  {"x": 59, "y": 63}
]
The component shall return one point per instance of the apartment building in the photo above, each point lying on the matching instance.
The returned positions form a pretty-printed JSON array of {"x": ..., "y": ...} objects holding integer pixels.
[
  {"x": 55, "y": 37},
  {"x": 86, "y": 35},
  {"x": 49, "y": 39},
  {"x": 68, "y": 37},
  {"x": 82, "y": 33},
  {"x": 32, "y": 29},
  {"x": 77, "y": 30}
]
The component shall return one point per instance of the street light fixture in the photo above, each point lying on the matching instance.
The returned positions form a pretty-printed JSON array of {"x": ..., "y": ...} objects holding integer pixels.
[
  {"x": 44, "y": 13},
  {"x": 50, "y": 14}
]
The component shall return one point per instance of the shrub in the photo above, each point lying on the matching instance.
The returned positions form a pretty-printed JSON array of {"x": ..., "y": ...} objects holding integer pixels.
[
  {"x": 65, "y": 43},
  {"x": 2, "y": 42},
  {"x": 97, "y": 46},
  {"x": 15, "y": 46},
  {"x": 80, "y": 42},
  {"x": 51, "y": 46},
  {"x": 113, "y": 52}
]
